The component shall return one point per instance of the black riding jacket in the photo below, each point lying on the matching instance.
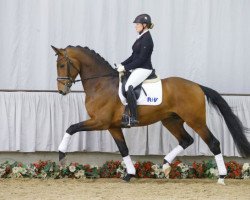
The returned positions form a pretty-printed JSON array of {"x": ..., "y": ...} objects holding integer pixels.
[{"x": 142, "y": 51}]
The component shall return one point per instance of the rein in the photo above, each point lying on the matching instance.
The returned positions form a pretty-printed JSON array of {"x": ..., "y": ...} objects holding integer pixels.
[{"x": 105, "y": 75}]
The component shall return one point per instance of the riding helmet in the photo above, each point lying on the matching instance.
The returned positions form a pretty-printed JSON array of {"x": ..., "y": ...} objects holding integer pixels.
[{"x": 144, "y": 19}]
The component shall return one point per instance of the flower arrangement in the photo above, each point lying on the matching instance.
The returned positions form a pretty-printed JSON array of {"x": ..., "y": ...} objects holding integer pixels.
[
  {"x": 117, "y": 169},
  {"x": 233, "y": 169},
  {"x": 112, "y": 169},
  {"x": 157, "y": 171},
  {"x": 197, "y": 170},
  {"x": 144, "y": 169}
]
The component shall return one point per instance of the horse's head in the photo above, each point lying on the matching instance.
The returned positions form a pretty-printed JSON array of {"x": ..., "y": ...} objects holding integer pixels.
[{"x": 67, "y": 69}]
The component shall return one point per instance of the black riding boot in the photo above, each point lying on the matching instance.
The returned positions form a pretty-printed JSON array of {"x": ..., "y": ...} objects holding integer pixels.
[{"x": 131, "y": 98}]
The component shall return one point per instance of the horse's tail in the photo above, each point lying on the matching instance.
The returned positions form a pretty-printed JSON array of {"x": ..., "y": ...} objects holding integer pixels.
[{"x": 233, "y": 122}]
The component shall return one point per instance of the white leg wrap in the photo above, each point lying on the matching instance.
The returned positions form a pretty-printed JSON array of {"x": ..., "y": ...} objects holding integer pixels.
[
  {"x": 64, "y": 143},
  {"x": 220, "y": 164},
  {"x": 130, "y": 167},
  {"x": 171, "y": 155}
]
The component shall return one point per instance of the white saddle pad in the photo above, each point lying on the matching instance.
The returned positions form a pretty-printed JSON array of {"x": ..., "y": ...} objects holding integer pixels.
[{"x": 153, "y": 91}]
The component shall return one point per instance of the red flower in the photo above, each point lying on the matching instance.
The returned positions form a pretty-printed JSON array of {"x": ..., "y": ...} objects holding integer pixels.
[
  {"x": 137, "y": 165},
  {"x": 19, "y": 164}
]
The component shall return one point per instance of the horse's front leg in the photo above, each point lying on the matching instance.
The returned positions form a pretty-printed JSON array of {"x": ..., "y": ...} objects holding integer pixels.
[
  {"x": 117, "y": 134},
  {"x": 88, "y": 125}
]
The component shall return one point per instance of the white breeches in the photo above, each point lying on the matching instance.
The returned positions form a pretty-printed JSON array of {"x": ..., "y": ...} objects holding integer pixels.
[{"x": 137, "y": 76}]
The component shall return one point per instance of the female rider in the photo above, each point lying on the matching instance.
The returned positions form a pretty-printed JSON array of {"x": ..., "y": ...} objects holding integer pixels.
[{"x": 139, "y": 63}]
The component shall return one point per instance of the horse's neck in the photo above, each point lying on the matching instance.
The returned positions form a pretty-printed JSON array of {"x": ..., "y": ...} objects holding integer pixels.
[{"x": 94, "y": 76}]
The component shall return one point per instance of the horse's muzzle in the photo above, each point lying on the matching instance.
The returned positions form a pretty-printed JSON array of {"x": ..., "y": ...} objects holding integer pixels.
[{"x": 61, "y": 92}]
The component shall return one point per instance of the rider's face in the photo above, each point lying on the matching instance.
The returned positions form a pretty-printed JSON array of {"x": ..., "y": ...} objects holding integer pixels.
[{"x": 138, "y": 27}]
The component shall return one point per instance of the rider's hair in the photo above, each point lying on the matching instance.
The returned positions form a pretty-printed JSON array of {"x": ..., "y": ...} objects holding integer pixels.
[{"x": 150, "y": 26}]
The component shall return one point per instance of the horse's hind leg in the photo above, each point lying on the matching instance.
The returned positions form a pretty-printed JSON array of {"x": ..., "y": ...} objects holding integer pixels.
[
  {"x": 175, "y": 125},
  {"x": 117, "y": 134},
  {"x": 214, "y": 146}
]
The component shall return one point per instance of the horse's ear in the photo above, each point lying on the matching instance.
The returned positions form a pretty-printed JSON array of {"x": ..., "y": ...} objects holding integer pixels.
[{"x": 58, "y": 52}]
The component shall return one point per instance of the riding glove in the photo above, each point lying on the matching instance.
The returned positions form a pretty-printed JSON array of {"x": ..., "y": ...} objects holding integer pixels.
[{"x": 120, "y": 68}]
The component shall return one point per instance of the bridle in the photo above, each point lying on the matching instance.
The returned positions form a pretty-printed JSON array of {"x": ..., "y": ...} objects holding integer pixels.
[{"x": 70, "y": 65}]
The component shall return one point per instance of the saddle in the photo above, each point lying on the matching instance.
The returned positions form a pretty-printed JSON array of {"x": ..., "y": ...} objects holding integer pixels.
[{"x": 137, "y": 89}]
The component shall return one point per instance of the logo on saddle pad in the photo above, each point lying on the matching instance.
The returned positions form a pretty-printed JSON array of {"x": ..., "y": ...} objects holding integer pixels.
[
  {"x": 152, "y": 95},
  {"x": 152, "y": 99}
]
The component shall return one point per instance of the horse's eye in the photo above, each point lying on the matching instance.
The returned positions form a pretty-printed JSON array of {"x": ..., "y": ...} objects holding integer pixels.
[{"x": 62, "y": 65}]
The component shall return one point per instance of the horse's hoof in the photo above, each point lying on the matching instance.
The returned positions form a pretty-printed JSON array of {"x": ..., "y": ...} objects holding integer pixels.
[
  {"x": 62, "y": 157},
  {"x": 221, "y": 181},
  {"x": 166, "y": 168},
  {"x": 127, "y": 177}
]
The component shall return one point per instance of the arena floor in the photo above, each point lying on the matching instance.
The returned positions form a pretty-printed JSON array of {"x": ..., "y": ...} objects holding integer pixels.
[{"x": 117, "y": 189}]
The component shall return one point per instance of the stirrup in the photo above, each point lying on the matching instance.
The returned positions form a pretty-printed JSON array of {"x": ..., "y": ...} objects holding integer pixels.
[
  {"x": 133, "y": 121},
  {"x": 128, "y": 122},
  {"x": 125, "y": 121}
]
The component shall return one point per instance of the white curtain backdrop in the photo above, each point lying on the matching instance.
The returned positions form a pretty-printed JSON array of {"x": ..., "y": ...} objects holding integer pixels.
[
  {"x": 206, "y": 41},
  {"x": 37, "y": 122}
]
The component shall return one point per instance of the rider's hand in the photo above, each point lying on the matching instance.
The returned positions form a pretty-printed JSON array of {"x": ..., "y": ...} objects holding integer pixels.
[{"x": 120, "y": 68}]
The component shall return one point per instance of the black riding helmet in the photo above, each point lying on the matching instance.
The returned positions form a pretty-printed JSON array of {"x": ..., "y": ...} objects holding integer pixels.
[{"x": 144, "y": 19}]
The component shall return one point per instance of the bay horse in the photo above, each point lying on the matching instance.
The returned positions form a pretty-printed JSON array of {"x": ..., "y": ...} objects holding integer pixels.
[{"x": 182, "y": 101}]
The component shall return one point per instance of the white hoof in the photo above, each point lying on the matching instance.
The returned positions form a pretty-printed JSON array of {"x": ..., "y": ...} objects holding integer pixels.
[
  {"x": 221, "y": 181},
  {"x": 166, "y": 168}
]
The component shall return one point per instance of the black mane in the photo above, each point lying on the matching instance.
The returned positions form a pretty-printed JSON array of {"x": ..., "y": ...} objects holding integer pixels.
[{"x": 93, "y": 54}]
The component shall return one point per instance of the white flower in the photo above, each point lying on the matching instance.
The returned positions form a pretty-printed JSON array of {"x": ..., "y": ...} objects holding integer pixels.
[
  {"x": 80, "y": 174},
  {"x": 15, "y": 170},
  {"x": 72, "y": 168},
  {"x": 245, "y": 176},
  {"x": 155, "y": 167},
  {"x": 51, "y": 168},
  {"x": 121, "y": 171},
  {"x": 158, "y": 171},
  {"x": 181, "y": 165},
  {"x": 16, "y": 175},
  {"x": 31, "y": 171},
  {"x": 245, "y": 167},
  {"x": 23, "y": 171},
  {"x": 184, "y": 168},
  {"x": 43, "y": 174},
  {"x": 214, "y": 172},
  {"x": 2, "y": 171},
  {"x": 94, "y": 166}
]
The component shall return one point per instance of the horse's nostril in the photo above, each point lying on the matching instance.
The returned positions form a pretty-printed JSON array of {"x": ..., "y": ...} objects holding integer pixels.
[{"x": 61, "y": 92}]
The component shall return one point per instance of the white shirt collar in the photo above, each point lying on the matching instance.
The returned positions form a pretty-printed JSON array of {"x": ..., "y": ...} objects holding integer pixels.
[{"x": 138, "y": 36}]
